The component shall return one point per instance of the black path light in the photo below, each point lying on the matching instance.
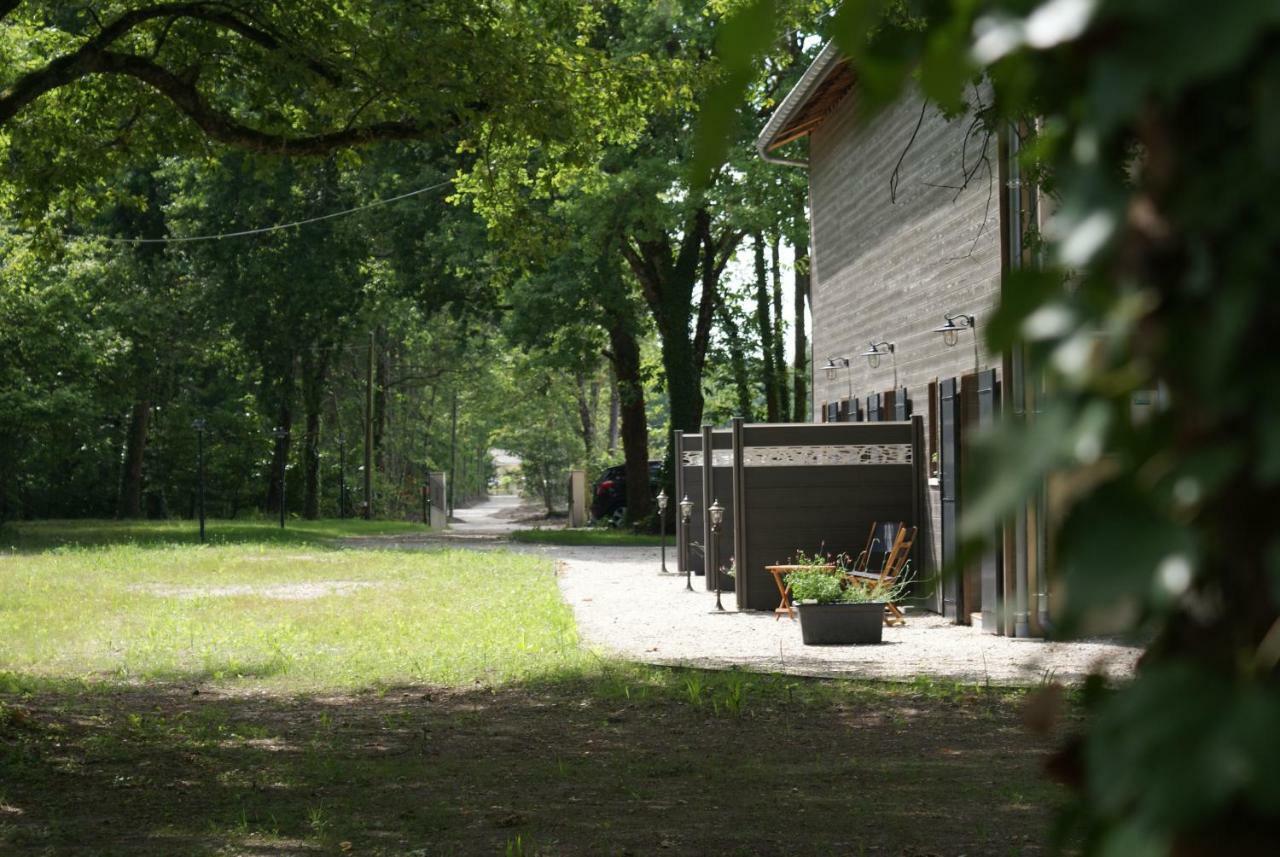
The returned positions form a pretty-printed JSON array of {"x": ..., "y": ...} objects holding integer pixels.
[
  {"x": 281, "y": 433},
  {"x": 199, "y": 425},
  {"x": 662, "y": 526},
  {"x": 717, "y": 518},
  {"x": 878, "y": 350},
  {"x": 950, "y": 330},
  {"x": 686, "y": 514},
  {"x": 834, "y": 364}
]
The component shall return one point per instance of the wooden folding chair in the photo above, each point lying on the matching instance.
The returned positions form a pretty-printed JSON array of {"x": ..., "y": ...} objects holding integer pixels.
[
  {"x": 882, "y": 533},
  {"x": 894, "y": 564}
]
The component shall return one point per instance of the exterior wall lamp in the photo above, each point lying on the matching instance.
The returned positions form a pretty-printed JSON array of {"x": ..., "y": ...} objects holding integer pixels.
[
  {"x": 878, "y": 350},
  {"x": 834, "y": 364},
  {"x": 950, "y": 330}
]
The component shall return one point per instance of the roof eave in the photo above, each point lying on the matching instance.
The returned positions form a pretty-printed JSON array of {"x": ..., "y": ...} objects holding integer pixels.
[{"x": 795, "y": 101}]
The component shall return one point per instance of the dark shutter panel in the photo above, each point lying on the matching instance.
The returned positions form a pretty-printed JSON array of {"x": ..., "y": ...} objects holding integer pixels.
[
  {"x": 873, "y": 408},
  {"x": 992, "y": 571},
  {"x": 902, "y": 406},
  {"x": 843, "y": 414},
  {"x": 822, "y": 413},
  {"x": 859, "y": 415},
  {"x": 949, "y": 460}
]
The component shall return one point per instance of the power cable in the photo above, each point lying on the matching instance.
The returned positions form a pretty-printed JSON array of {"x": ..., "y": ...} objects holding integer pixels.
[{"x": 243, "y": 233}]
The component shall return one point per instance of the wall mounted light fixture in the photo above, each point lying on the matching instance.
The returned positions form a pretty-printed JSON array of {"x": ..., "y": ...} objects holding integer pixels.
[
  {"x": 878, "y": 350},
  {"x": 950, "y": 330},
  {"x": 834, "y": 364}
]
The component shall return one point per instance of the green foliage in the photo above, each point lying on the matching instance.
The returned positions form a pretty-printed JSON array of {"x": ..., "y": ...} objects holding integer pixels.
[
  {"x": 823, "y": 587},
  {"x": 1150, "y": 132}
]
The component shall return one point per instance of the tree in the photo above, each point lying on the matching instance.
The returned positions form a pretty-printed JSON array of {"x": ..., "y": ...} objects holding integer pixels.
[{"x": 1152, "y": 128}]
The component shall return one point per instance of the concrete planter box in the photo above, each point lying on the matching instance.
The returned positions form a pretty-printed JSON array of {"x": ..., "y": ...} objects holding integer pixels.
[{"x": 841, "y": 624}]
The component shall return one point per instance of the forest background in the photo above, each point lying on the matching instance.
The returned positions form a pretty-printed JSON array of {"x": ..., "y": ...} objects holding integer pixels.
[{"x": 543, "y": 277}]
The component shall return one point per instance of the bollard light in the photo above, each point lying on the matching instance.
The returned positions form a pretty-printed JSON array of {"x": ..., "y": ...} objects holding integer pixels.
[
  {"x": 686, "y": 515},
  {"x": 662, "y": 526},
  {"x": 716, "y": 511}
]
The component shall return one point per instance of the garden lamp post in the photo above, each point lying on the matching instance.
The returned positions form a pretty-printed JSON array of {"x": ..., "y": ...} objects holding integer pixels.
[
  {"x": 878, "y": 350},
  {"x": 950, "y": 330},
  {"x": 281, "y": 433},
  {"x": 662, "y": 526},
  {"x": 686, "y": 514},
  {"x": 717, "y": 517},
  {"x": 199, "y": 425}
]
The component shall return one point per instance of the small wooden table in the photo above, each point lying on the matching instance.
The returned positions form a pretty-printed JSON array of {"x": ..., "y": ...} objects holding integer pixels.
[{"x": 784, "y": 589}]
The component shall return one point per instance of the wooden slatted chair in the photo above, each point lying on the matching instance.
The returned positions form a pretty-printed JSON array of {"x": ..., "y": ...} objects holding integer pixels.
[
  {"x": 882, "y": 533},
  {"x": 895, "y": 564}
]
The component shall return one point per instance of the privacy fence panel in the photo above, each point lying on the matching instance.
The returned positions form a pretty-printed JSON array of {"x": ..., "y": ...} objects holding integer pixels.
[
  {"x": 689, "y": 484},
  {"x": 717, "y": 485},
  {"x": 818, "y": 487}
]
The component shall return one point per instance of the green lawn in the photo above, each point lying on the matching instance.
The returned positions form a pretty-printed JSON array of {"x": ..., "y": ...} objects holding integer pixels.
[
  {"x": 160, "y": 698},
  {"x": 40, "y": 535},
  {"x": 588, "y": 537},
  {"x": 288, "y": 617}
]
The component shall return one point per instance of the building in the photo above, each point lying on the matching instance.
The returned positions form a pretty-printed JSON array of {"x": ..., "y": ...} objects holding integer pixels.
[{"x": 910, "y": 215}]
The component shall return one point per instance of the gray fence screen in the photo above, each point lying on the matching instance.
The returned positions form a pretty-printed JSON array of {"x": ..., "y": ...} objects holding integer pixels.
[{"x": 818, "y": 486}]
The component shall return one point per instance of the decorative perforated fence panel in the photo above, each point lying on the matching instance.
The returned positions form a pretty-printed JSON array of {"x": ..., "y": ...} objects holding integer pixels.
[{"x": 818, "y": 487}]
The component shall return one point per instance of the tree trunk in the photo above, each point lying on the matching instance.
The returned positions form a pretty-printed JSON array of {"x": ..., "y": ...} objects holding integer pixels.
[
  {"x": 779, "y": 335},
  {"x": 130, "y": 505},
  {"x": 738, "y": 362},
  {"x": 382, "y": 373},
  {"x": 279, "y": 455},
  {"x": 765, "y": 324},
  {"x": 586, "y": 415},
  {"x": 625, "y": 354},
  {"x": 800, "y": 361},
  {"x": 315, "y": 370},
  {"x": 614, "y": 405}
]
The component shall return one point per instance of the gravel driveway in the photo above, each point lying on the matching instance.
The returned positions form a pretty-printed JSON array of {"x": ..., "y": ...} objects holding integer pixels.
[{"x": 625, "y": 606}]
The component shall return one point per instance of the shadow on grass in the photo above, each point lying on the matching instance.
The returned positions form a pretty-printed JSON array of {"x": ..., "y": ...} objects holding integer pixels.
[
  {"x": 36, "y": 536},
  {"x": 612, "y": 760}
]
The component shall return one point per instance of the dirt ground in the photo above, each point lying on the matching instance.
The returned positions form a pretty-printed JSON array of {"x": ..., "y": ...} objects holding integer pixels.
[{"x": 687, "y": 763}]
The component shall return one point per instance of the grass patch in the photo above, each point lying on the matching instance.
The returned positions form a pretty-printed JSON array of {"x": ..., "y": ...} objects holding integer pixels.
[
  {"x": 28, "y": 536},
  {"x": 594, "y": 536},
  {"x": 296, "y": 698},
  {"x": 281, "y": 616}
]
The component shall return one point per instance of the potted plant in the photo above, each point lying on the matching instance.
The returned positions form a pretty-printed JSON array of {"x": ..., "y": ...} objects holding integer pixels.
[{"x": 834, "y": 611}]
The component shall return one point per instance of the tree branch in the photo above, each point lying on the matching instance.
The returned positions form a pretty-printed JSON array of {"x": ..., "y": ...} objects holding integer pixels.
[
  {"x": 223, "y": 128},
  {"x": 95, "y": 56},
  {"x": 645, "y": 273}
]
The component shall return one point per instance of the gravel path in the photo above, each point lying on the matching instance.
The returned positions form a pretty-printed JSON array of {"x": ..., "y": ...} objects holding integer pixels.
[{"x": 624, "y": 605}]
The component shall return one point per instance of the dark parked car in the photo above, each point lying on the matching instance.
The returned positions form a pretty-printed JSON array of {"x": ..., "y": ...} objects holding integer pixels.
[{"x": 609, "y": 493}]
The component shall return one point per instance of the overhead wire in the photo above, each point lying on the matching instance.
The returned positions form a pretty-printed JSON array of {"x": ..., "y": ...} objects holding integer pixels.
[{"x": 262, "y": 230}]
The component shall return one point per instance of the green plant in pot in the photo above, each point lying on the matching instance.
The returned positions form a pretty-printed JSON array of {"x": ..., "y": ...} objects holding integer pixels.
[{"x": 834, "y": 611}]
